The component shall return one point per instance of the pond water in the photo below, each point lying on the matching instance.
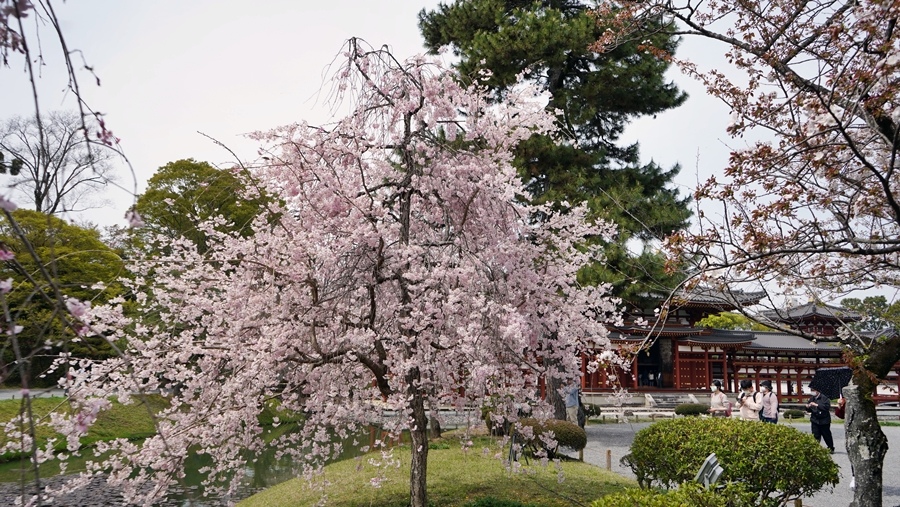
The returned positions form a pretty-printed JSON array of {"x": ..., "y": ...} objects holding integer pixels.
[{"x": 263, "y": 472}]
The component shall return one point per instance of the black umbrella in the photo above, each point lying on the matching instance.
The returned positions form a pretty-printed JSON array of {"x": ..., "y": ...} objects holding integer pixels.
[{"x": 830, "y": 381}]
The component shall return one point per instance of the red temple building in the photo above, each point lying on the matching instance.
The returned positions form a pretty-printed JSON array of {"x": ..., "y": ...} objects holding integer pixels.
[{"x": 677, "y": 355}]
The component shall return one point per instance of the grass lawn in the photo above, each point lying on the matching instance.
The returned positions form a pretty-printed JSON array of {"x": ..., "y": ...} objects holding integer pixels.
[
  {"x": 455, "y": 478},
  {"x": 120, "y": 421}
]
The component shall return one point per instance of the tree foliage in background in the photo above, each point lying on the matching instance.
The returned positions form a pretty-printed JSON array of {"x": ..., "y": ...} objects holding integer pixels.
[
  {"x": 184, "y": 194},
  {"x": 876, "y": 313},
  {"x": 395, "y": 272},
  {"x": 593, "y": 96},
  {"x": 731, "y": 320},
  {"x": 811, "y": 205},
  {"x": 57, "y": 171},
  {"x": 86, "y": 270}
]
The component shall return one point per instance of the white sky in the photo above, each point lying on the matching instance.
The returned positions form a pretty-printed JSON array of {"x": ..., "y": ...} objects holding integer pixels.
[{"x": 171, "y": 68}]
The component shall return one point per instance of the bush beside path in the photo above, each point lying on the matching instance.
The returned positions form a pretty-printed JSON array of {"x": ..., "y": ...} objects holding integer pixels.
[{"x": 617, "y": 438}]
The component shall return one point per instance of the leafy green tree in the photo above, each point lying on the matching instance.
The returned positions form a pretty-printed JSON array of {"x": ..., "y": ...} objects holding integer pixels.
[
  {"x": 876, "y": 312},
  {"x": 731, "y": 320},
  {"x": 185, "y": 193},
  {"x": 86, "y": 269},
  {"x": 595, "y": 96}
]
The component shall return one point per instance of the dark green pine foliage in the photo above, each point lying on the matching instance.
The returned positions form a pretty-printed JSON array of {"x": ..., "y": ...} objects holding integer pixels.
[{"x": 596, "y": 95}]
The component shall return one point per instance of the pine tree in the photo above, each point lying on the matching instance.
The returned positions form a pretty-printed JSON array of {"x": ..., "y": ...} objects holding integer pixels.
[{"x": 595, "y": 96}]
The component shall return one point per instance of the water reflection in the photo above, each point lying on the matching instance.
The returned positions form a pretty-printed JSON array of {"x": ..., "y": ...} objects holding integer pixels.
[{"x": 260, "y": 473}]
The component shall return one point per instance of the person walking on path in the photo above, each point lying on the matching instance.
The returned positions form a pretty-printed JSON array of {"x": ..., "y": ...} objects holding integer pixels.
[
  {"x": 819, "y": 408},
  {"x": 719, "y": 406},
  {"x": 749, "y": 401},
  {"x": 769, "y": 402}
]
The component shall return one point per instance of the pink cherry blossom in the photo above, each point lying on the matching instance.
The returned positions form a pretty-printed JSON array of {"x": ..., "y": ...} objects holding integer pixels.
[
  {"x": 77, "y": 308},
  {"x": 134, "y": 219},
  {"x": 394, "y": 272},
  {"x": 7, "y": 205}
]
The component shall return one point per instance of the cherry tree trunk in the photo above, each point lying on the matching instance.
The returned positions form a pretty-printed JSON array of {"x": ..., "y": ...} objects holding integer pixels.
[
  {"x": 554, "y": 386},
  {"x": 866, "y": 445},
  {"x": 419, "y": 436}
]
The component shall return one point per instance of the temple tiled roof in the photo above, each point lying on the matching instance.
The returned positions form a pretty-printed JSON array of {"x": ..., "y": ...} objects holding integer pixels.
[
  {"x": 662, "y": 330},
  {"x": 811, "y": 311},
  {"x": 709, "y": 297},
  {"x": 721, "y": 337},
  {"x": 881, "y": 333},
  {"x": 773, "y": 340}
]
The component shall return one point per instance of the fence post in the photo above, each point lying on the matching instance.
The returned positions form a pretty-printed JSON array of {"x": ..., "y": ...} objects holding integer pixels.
[{"x": 609, "y": 459}]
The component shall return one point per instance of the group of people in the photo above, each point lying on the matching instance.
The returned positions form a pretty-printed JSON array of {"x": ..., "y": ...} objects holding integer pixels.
[{"x": 763, "y": 406}]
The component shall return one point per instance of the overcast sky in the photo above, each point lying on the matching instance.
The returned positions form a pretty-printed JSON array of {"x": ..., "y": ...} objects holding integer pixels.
[{"x": 169, "y": 69}]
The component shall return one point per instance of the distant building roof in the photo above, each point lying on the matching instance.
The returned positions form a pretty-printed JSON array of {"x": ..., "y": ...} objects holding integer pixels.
[
  {"x": 812, "y": 312},
  {"x": 773, "y": 340},
  {"x": 760, "y": 341},
  {"x": 660, "y": 330},
  {"x": 881, "y": 333},
  {"x": 707, "y": 297},
  {"x": 722, "y": 338}
]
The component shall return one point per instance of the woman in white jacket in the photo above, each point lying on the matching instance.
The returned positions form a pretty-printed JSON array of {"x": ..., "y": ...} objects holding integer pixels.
[{"x": 749, "y": 401}]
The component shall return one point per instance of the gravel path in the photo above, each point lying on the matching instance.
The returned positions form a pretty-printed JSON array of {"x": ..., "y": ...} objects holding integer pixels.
[{"x": 617, "y": 439}]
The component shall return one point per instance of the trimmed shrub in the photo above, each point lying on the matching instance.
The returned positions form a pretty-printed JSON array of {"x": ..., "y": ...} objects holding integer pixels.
[
  {"x": 495, "y": 429},
  {"x": 566, "y": 433},
  {"x": 773, "y": 460},
  {"x": 794, "y": 413},
  {"x": 690, "y": 493},
  {"x": 592, "y": 410},
  {"x": 691, "y": 409}
]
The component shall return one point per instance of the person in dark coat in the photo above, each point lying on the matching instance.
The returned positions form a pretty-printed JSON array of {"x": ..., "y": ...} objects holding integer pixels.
[{"x": 819, "y": 408}]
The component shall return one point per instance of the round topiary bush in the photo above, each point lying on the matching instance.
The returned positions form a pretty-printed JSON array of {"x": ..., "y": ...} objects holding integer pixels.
[
  {"x": 794, "y": 413},
  {"x": 690, "y": 493},
  {"x": 773, "y": 460},
  {"x": 495, "y": 428},
  {"x": 566, "y": 433},
  {"x": 691, "y": 409},
  {"x": 592, "y": 410}
]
